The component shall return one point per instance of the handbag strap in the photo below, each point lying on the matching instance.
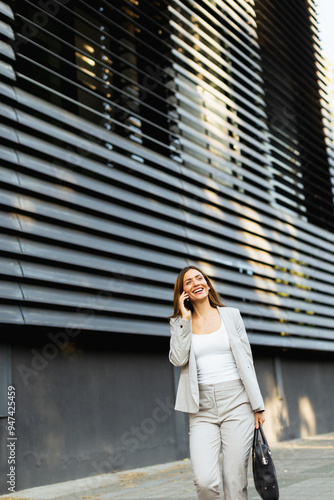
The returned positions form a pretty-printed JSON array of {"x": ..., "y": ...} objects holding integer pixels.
[{"x": 256, "y": 435}]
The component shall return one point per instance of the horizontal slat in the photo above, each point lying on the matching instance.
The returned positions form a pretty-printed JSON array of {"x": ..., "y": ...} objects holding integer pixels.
[
  {"x": 10, "y": 315},
  {"x": 173, "y": 168},
  {"x": 292, "y": 329},
  {"x": 6, "y": 10},
  {"x": 92, "y": 223},
  {"x": 291, "y": 343}
]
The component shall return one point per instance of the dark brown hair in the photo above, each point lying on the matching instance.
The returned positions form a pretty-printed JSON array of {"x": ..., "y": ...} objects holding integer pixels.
[{"x": 214, "y": 297}]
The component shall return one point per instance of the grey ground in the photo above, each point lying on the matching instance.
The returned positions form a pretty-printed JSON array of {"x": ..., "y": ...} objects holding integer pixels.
[{"x": 305, "y": 469}]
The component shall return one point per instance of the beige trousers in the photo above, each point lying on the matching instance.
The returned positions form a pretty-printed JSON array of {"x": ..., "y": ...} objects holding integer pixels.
[{"x": 224, "y": 422}]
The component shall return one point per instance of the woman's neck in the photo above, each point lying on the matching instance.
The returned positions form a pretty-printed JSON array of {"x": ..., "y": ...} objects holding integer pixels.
[{"x": 203, "y": 310}]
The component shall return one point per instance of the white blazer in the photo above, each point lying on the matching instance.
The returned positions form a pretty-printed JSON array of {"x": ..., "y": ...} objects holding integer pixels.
[{"x": 182, "y": 354}]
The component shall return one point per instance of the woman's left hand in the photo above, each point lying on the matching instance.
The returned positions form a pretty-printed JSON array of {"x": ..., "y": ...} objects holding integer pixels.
[{"x": 259, "y": 417}]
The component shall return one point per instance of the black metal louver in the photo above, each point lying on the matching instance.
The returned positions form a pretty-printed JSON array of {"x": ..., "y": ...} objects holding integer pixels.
[{"x": 140, "y": 136}]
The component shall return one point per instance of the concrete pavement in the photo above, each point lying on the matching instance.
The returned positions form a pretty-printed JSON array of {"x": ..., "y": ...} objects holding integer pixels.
[{"x": 305, "y": 469}]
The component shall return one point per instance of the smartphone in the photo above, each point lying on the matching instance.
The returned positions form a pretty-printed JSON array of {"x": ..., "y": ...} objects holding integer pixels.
[{"x": 188, "y": 304}]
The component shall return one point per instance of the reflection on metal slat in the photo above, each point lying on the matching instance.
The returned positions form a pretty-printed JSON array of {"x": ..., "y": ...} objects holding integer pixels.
[
  {"x": 273, "y": 280},
  {"x": 8, "y": 133},
  {"x": 96, "y": 263},
  {"x": 254, "y": 256},
  {"x": 253, "y": 93},
  {"x": 109, "y": 265},
  {"x": 110, "y": 284},
  {"x": 10, "y": 290},
  {"x": 7, "y": 50},
  {"x": 302, "y": 44},
  {"x": 190, "y": 96},
  {"x": 6, "y": 30},
  {"x": 94, "y": 302},
  {"x": 223, "y": 140},
  {"x": 8, "y": 154},
  {"x": 188, "y": 202},
  {"x": 254, "y": 243},
  {"x": 236, "y": 24},
  {"x": 225, "y": 153},
  {"x": 9, "y": 243},
  {"x": 253, "y": 68},
  {"x": 290, "y": 329},
  {"x": 108, "y": 187},
  {"x": 244, "y": 212},
  {"x": 60, "y": 214},
  {"x": 100, "y": 134},
  {"x": 7, "y": 71},
  {"x": 267, "y": 208},
  {"x": 217, "y": 124},
  {"x": 285, "y": 315},
  {"x": 245, "y": 18},
  {"x": 234, "y": 96},
  {"x": 276, "y": 300},
  {"x": 318, "y": 265},
  {"x": 218, "y": 65},
  {"x": 75, "y": 159},
  {"x": 290, "y": 342},
  {"x": 77, "y": 322},
  {"x": 10, "y": 314},
  {"x": 9, "y": 266},
  {"x": 75, "y": 239},
  {"x": 128, "y": 144},
  {"x": 6, "y": 10},
  {"x": 195, "y": 16},
  {"x": 8, "y": 112},
  {"x": 103, "y": 208},
  {"x": 104, "y": 211},
  {"x": 7, "y": 91},
  {"x": 220, "y": 175},
  {"x": 9, "y": 221},
  {"x": 213, "y": 245},
  {"x": 75, "y": 197},
  {"x": 85, "y": 260},
  {"x": 242, "y": 224},
  {"x": 193, "y": 81}
]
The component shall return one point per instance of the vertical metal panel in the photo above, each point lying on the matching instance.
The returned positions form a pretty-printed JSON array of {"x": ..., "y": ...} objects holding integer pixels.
[{"x": 5, "y": 377}]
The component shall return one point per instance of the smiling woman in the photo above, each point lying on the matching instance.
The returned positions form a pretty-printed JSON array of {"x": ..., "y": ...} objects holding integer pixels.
[
  {"x": 193, "y": 275},
  {"x": 218, "y": 386}
]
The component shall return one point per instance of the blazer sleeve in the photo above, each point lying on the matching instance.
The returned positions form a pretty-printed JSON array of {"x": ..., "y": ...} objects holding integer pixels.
[
  {"x": 257, "y": 402},
  {"x": 244, "y": 337},
  {"x": 180, "y": 341}
]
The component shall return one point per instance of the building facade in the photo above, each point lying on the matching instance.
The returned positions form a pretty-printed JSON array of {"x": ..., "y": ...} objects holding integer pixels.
[{"x": 139, "y": 137}]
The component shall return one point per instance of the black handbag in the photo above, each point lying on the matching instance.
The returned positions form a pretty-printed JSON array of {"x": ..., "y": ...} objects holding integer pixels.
[{"x": 264, "y": 473}]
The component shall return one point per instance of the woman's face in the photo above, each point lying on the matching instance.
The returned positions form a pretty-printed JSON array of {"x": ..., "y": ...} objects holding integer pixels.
[{"x": 195, "y": 286}]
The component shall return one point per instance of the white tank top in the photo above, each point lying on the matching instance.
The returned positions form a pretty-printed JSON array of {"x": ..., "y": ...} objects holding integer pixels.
[{"x": 214, "y": 358}]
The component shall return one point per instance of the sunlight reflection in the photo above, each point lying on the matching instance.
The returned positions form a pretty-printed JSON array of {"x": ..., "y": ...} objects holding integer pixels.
[
  {"x": 308, "y": 423},
  {"x": 277, "y": 413}
]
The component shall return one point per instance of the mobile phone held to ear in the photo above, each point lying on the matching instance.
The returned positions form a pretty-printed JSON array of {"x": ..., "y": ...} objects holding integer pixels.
[{"x": 188, "y": 304}]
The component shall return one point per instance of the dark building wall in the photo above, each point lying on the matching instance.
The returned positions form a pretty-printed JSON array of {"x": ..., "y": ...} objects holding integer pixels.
[
  {"x": 295, "y": 386},
  {"x": 92, "y": 406}
]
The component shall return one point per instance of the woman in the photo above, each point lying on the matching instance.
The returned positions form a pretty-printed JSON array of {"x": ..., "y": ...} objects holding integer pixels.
[{"x": 217, "y": 387}]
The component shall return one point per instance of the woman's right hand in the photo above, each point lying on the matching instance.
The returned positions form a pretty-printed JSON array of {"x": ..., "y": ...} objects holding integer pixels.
[{"x": 185, "y": 313}]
